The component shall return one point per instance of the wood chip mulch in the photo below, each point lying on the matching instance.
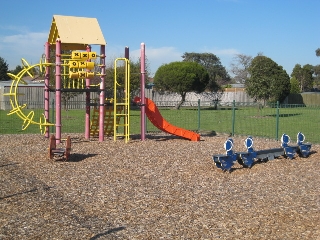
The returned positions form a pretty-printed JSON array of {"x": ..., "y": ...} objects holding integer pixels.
[{"x": 161, "y": 188}]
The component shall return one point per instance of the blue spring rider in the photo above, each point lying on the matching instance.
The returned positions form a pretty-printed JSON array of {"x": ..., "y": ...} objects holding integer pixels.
[
  {"x": 248, "y": 158},
  {"x": 303, "y": 149},
  {"x": 225, "y": 162}
]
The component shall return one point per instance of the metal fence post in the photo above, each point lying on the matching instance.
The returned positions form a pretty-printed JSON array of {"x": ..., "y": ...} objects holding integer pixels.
[
  {"x": 199, "y": 115},
  {"x": 233, "y": 116},
  {"x": 277, "y": 122}
]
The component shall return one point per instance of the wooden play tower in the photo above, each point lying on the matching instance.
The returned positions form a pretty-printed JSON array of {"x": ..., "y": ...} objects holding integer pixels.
[
  {"x": 75, "y": 34},
  {"x": 70, "y": 66}
]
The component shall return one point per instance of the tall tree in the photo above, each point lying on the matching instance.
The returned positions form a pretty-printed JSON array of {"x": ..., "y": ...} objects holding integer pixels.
[
  {"x": 268, "y": 81},
  {"x": 218, "y": 75},
  {"x": 294, "y": 85},
  {"x": 240, "y": 66},
  {"x": 3, "y": 70},
  {"x": 316, "y": 73},
  {"x": 316, "y": 70},
  {"x": 304, "y": 76},
  {"x": 181, "y": 77}
]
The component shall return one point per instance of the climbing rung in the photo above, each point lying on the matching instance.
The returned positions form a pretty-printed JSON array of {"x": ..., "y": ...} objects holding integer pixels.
[
  {"x": 122, "y": 104},
  {"x": 121, "y": 135},
  {"x": 122, "y": 125}
]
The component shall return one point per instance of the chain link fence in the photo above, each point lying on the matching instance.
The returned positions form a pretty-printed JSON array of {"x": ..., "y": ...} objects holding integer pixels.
[{"x": 232, "y": 118}]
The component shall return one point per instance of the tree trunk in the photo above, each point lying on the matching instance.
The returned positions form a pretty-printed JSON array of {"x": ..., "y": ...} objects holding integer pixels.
[
  {"x": 179, "y": 105},
  {"x": 183, "y": 99}
]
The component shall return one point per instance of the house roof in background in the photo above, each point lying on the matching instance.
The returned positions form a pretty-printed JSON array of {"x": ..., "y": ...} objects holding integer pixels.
[{"x": 237, "y": 85}]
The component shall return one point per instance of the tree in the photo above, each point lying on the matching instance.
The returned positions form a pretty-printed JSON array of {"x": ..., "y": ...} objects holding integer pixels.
[
  {"x": 218, "y": 75},
  {"x": 294, "y": 85},
  {"x": 16, "y": 70},
  {"x": 304, "y": 76},
  {"x": 181, "y": 77},
  {"x": 268, "y": 81},
  {"x": 3, "y": 70},
  {"x": 316, "y": 73},
  {"x": 240, "y": 67},
  {"x": 318, "y": 52}
]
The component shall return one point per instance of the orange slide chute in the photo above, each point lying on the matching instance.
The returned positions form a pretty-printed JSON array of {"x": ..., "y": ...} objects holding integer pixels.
[{"x": 157, "y": 120}]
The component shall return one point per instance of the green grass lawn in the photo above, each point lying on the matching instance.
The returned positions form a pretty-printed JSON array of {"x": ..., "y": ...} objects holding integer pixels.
[{"x": 248, "y": 121}]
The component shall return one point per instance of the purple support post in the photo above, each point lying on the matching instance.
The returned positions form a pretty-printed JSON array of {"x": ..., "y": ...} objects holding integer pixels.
[
  {"x": 142, "y": 87},
  {"x": 46, "y": 89},
  {"x": 102, "y": 89},
  {"x": 87, "y": 118},
  {"x": 126, "y": 53},
  {"x": 58, "y": 91}
]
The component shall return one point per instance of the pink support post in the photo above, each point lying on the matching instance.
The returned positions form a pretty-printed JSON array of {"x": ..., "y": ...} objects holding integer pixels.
[
  {"x": 102, "y": 93},
  {"x": 87, "y": 120},
  {"x": 58, "y": 91},
  {"x": 142, "y": 87},
  {"x": 46, "y": 89}
]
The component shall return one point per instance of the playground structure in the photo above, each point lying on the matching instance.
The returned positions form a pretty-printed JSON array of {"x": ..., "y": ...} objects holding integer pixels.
[
  {"x": 73, "y": 68},
  {"x": 247, "y": 159}
]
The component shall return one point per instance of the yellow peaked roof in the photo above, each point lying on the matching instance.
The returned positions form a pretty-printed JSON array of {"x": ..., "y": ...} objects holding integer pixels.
[{"x": 75, "y": 33}]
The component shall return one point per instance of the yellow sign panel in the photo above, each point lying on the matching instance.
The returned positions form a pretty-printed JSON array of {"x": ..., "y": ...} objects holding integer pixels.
[
  {"x": 82, "y": 64},
  {"x": 90, "y": 65},
  {"x": 90, "y": 74},
  {"x": 73, "y": 64},
  {"x": 73, "y": 74},
  {"x": 81, "y": 74},
  {"x": 92, "y": 55},
  {"x": 76, "y": 55},
  {"x": 84, "y": 55}
]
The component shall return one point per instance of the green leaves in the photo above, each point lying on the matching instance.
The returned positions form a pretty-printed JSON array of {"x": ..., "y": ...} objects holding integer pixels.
[
  {"x": 217, "y": 73},
  {"x": 181, "y": 77},
  {"x": 304, "y": 76},
  {"x": 268, "y": 81},
  {"x": 3, "y": 70}
]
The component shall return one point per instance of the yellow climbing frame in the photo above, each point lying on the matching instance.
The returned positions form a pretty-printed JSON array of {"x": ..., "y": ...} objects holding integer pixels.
[
  {"x": 28, "y": 117},
  {"x": 122, "y": 102}
]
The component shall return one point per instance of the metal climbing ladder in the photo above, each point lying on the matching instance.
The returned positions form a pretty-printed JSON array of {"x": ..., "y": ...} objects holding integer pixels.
[
  {"x": 108, "y": 120},
  {"x": 122, "y": 102}
]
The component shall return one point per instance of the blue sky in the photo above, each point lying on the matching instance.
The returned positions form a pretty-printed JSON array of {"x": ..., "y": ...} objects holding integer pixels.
[{"x": 287, "y": 31}]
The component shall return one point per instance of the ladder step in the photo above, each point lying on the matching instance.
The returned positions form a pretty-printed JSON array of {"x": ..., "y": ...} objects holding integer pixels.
[
  {"x": 121, "y": 135},
  {"x": 122, "y": 125},
  {"x": 122, "y": 104}
]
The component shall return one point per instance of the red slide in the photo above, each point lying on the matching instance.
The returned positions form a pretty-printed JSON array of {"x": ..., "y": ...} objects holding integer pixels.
[{"x": 156, "y": 118}]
